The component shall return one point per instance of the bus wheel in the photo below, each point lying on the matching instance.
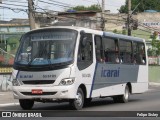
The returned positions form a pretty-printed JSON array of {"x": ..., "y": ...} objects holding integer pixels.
[
  {"x": 116, "y": 99},
  {"x": 26, "y": 104},
  {"x": 87, "y": 101},
  {"x": 77, "y": 103},
  {"x": 125, "y": 97},
  {"x": 122, "y": 98}
]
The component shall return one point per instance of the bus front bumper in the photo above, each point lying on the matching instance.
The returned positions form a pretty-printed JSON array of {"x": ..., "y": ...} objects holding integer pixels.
[{"x": 47, "y": 92}]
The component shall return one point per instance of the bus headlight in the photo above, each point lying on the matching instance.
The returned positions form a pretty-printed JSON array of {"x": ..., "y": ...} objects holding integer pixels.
[
  {"x": 15, "y": 82},
  {"x": 67, "y": 81}
]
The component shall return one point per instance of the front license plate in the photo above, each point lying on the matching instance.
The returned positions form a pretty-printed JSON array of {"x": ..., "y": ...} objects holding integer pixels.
[{"x": 37, "y": 91}]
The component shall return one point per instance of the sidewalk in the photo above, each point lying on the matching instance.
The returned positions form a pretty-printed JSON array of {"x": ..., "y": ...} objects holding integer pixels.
[{"x": 7, "y": 98}]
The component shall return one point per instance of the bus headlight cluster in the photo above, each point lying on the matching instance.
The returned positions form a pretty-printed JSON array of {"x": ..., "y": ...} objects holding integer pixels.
[
  {"x": 67, "y": 81},
  {"x": 15, "y": 82}
]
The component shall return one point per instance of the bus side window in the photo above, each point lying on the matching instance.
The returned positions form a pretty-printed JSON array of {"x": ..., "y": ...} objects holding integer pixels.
[
  {"x": 99, "y": 49},
  {"x": 111, "y": 50},
  {"x": 85, "y": 53},
  {"x": 125, "y": 51},
  {"x": 139, "y": 53}
]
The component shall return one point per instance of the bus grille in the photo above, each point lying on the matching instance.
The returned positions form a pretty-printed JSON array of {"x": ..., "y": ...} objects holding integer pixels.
[
  {"x": 37, "y": 82},
  {"x": 44, "y": 93}
]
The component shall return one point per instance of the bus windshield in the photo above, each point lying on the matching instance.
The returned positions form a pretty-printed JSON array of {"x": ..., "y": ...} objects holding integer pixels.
[{"x": 47, "y": 47}]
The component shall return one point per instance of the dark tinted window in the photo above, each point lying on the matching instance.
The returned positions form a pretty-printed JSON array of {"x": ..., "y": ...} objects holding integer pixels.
[
  {"x": 85, "y": 53},
  {"x": 139, "y": 56},
  {"x": 99, "y": 48},
  {"x": 125, "y": 51},
  {"x": 111, "y": 51}
]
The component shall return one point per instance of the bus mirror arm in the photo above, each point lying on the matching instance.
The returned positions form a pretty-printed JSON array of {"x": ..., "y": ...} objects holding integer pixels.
[
  {"x": 84, "y": 41},
  {"x": 83, "y": 38}
]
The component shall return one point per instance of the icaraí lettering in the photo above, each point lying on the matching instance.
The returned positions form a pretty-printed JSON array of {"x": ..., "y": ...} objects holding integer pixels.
[{"x": 110, "y": 73}]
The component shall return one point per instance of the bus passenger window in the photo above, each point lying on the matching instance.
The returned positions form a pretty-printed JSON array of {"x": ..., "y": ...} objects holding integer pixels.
[
  {"x": 139, "y": 53},
  {"x": 111, "y": 51},
  {"x": 125, "y": 51}
]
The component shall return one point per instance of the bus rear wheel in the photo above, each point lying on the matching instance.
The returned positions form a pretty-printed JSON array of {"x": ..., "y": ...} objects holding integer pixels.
[
  {"x": 26, "y": 104},
  {"x": 78, "y": 103},
  {"x": 122, "y": 98}
]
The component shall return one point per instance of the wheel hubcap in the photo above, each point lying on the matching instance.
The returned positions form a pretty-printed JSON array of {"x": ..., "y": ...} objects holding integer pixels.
[
  {"x": 79, "y": 99},
  {"x": 126, "y": 94}
]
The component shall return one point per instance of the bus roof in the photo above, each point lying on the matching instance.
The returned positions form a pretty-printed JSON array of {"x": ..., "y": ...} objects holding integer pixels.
[
  {"x": 72, "y": 27},
  {"x": 120, "y": 36},
  {"x": 102, "y": 33}
]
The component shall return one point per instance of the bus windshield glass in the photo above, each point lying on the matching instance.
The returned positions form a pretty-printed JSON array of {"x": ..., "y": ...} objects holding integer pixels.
[{"x": 47, "y": 47}]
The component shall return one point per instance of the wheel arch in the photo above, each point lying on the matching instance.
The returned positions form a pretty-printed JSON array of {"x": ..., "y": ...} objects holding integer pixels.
[
  {"x": 129, "y": 86},
  {"x": 83, "y": 87}
]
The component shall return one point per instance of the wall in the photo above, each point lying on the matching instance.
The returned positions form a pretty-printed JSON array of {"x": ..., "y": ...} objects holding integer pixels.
[
  {"x": 148, "y": 17},
  {"x": 5, "y": 83},
  {"x": 14, "y": 28},
  {"x": 117, "y": 21}
]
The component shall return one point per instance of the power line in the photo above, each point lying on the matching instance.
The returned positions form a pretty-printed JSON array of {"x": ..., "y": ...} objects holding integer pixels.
[
  {"x": 13, "y": 1},
  {"x": 14, "y": 5},
  {"x": 62, "y": 3},
  {"x": 104, "y": 4},
  {"x": 65, "y": 6},
  {"x": 70, "y": 17},
  {"x": 13, "y": 9}
]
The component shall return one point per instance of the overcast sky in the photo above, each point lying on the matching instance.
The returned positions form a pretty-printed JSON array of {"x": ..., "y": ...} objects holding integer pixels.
[{"x": 5, "y": 14}]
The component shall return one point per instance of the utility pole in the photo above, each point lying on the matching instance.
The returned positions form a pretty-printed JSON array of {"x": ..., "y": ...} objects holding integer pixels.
[
  {"x": 31, "y": 15},
  {"x": 129, "y": 18},
  {"x": 102, "y": 16}
]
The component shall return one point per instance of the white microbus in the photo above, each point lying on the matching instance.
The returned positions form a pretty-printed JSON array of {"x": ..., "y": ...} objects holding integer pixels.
[{"x": 77, "y": 64}]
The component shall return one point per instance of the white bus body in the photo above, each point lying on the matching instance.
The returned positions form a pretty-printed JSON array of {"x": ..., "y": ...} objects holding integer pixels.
[{"x": 86, "y": 70}]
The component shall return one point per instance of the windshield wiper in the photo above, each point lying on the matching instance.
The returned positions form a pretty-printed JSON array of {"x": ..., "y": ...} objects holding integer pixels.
[
  {"x": 41, "y": 54},
  {"x": 29, "y": 63}
]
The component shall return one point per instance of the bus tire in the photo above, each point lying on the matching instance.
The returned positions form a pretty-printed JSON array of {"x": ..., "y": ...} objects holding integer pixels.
[
  {"x": 125, "y": 97},
  {"x": 26, "y": 104},
  {"x": 122, "y": 98},
  {"x": 78, "y": 103},
  {"x": 87, "y": 101},
  {"x": 116, "y": 99}
]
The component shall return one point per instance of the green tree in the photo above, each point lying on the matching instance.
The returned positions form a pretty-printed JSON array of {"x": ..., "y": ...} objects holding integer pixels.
[
  {"x": 115, "y": 31},
  {"x": 94, "y": 7},
  {"x": 124, "y": 32},
  {"x": 144, "y": 5},
  {"x": 155, "y": 51},
  {"x": 13, "y": 42}
]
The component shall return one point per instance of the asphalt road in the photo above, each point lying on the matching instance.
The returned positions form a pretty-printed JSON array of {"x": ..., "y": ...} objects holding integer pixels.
[{"x": 149, "y": 101}]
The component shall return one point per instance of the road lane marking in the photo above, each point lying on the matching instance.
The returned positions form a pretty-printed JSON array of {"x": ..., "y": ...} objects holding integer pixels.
[
  {"x": 1, "y": 94},
  {"x": 8, "y": 104}
]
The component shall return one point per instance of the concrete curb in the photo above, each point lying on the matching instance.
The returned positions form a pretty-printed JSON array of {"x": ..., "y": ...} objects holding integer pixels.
[{"x": 154, "y": 84}]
